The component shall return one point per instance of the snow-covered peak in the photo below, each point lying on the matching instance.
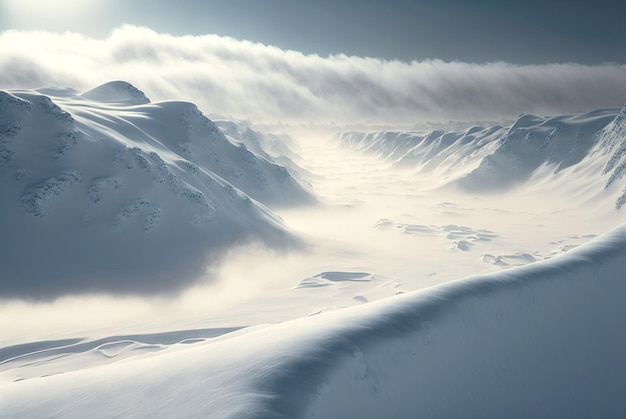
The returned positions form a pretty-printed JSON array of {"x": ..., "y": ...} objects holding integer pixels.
[{"x": 117, "y": 92}]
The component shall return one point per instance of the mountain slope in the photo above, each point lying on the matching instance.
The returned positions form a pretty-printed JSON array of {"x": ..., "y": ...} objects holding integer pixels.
[
  {"x": 497, "y": 159},
  {"x": 106, "y": 192},
  {"x": 612, "y": 144},
  {"x": 275, "y": 147},
  {"x": 558, "y": 142}
]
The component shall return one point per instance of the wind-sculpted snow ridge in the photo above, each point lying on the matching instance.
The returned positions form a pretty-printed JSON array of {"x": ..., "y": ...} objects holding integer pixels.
[
  {"x": 496, "y": 158},
  {"x": 541, "y": 340},
  {"x": 106, "y": 192}
]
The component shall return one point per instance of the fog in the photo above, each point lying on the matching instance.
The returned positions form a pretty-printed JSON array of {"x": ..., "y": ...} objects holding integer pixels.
[
  {"x": 404, "y": 228},
  {"x": 400, "y": 226},
  {"x": 265, "y": 84}
]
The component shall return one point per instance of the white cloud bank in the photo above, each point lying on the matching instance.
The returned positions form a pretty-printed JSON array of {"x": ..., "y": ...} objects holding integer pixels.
[{"x": 266, "y": 84}]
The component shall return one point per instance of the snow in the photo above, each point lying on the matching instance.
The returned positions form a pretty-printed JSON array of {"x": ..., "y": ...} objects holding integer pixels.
[
  {"x": 123, "y": 180},
  {"x": 500, "y": 158},
  {"x": 155, "y": 263},
  {"x": 528, "y": 342},
  {"x": 117, "y": 92}
]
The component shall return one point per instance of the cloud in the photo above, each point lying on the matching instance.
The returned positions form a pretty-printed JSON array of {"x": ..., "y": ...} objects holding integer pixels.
[{"x": 266, "y": 84}]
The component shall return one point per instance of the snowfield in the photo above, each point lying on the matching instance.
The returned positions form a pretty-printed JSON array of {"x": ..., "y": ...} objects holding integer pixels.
[
  {"x": 543, "y": 340},
  {"x": 155, "y": 263}
]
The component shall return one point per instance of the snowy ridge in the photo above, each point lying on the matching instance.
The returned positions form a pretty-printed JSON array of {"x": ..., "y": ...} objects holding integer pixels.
[
  {"x": 425, "y": 150},
  {"x": 496, "y": 159},
  {"x": 527, "y": 343},
  {"x": 612, "y": 142},
  {"x": 117, "y": 92},
  {"x": 136, "y": 189},
  {"x": 278, "y": 148},
  {"x": 543, "y": 340},
  {"x": 558, "y": 142}
]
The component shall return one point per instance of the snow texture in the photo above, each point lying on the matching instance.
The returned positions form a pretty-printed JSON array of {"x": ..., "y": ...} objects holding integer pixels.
[
  {"x": 106, "y": 194},
  {"x": 496, "y": 159},
  {"x": 542, "y": 340},
  {"x": 104, "y": 168}
]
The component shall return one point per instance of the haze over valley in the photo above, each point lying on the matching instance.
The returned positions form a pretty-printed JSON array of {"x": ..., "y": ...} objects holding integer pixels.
[{"x": 197, "y": 225}]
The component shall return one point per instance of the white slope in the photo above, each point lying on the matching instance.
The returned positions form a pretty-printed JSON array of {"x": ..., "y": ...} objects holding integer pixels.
[
  {"x": 268, "y": 145},
  {"x": 426, "y": 149},
  {"x": 612, "y": 143},
  {"x": 495, "y": 159},
  {"x": 557, "y": 143},
  {"x": 275, "y": 147},
  {"x": 104, "y": 191},
  {"x": 543, "y": 340}
]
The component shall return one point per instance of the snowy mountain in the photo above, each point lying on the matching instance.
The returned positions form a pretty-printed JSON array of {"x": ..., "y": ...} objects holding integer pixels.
[
  {"x": 267, "y": 145},
  {"x": 496, "y": 158},
  {"x": 143, "y": 195},
  {"x": 278, "y": 148}
]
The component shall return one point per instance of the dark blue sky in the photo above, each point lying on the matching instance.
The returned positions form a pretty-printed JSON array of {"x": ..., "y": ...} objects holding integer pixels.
[{"x": 524, "y": 32}]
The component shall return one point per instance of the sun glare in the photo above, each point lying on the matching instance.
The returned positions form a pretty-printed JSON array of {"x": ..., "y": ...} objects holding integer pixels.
[{"x": 51, "y": 15}]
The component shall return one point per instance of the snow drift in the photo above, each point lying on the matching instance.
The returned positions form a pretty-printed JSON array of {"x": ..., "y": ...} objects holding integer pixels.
[
  {"x": 105, "y": 191},
  {"x": 543, "y": 340}
]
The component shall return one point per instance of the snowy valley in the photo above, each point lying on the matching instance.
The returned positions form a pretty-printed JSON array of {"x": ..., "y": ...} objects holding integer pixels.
[{"x": 156, "y": 263}]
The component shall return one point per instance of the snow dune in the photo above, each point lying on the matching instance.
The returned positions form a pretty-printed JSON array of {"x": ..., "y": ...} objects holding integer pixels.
[{"x": 543, "y": 340}]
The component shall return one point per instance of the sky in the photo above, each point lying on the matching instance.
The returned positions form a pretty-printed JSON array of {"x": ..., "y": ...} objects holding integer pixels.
[
  {"x": 528, "y": 32},
  {"x": 345, "y": 62}
]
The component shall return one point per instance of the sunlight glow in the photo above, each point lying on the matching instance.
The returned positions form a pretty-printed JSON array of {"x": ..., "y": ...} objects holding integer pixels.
[{"x": 52, "y": 15}]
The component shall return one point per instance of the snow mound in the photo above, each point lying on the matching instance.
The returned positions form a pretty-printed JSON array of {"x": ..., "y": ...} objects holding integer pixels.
[
  {"x": 514, "y": 259},
  {"x": 428, "y": 150},
  {"x": 126, "y": 196},
  {"x": 198, "y": 141},
  {"x": 35, "y": 198},
  {"x": 117, "y": 92},
  {"x": 328, "y": 278}
]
